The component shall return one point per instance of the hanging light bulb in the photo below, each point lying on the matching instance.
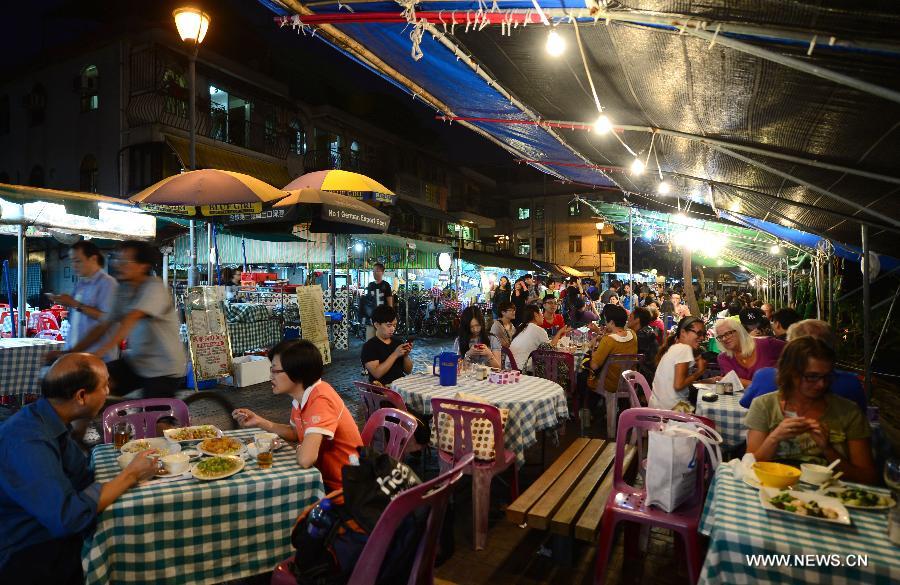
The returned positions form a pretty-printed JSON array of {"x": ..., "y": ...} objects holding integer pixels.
[
  {"x": 556, "y": 46},
  {"x": 358, "y": 247},
  {"x": 663, "y": 188},
  {"x": 775, "y": 250},
  {"x": 649, "y": 234},
  {"x": 637, "y": 167},
  {"x": 602, "y": 125}
]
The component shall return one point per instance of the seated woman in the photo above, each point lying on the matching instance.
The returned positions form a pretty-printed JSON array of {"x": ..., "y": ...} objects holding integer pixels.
[
  {"x": 803, "y": 422},
  {"x": 618, "y": 341},
  {"x": 473, "y": 340},
  {"x": 584, "y": 316},
  {"x": 671, "y": 383},
  {"x": 551, "y": 319},
  {"x": 530, "y": 335},
  {"x": 319, "y": 420},
  {"x": 503, "y": 327},
  {"x": 742, "y": 353}
]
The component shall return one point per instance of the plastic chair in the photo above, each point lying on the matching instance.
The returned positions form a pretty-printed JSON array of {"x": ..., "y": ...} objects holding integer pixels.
[
  {"x": 628, "y": 503},
  {"x": 374, "y": 397},
  {"x": 46, "y": 320},
  {"x": 507, "y": 359},
  {"x": 49, "y": 334},
  {"x": 463, "y": 414},
  {"x": 548, "y": 364},
  {"x": 635, "y": 380},
  {"x": 398, "y": 425},
  {"x": 144, "y": 421},
  {"x": 625, "y": 361},
  {"x": 434, "y": 495}
]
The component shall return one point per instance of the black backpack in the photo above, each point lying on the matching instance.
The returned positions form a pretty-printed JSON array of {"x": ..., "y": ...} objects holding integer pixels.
[{"x": 329, "y": 558}]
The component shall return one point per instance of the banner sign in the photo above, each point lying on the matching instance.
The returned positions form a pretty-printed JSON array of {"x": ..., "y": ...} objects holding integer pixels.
[
  {"x": 231, "y": 208},
  {"x": 311, "y": 304},
  {"x": 186, "y": 210},
  {"x": 208, "y": 340}
]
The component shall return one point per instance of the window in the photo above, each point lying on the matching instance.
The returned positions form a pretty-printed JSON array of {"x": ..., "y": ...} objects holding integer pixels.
[
  {"x": 90, "y": 95},
  {"x": 174, "y": 87},
  {"x": 574, "y": 209},
  {"x": 539, "y": 214},
  {"x": 230, "y": 117},
  {"x": 539, "y": 246},
  {"x": 36, "y": 105},
  {"x": 354, "y": 155},
  {"x": 87, "y": 175},
  {"x": 461, "y": 231},
  {"x": 524, "y": 212},
  {"x": 524, "y": 248},
  {"x": 574, "y": 243},
  {"x": 298, "y": 138},
  {"x": 36, "y": 178},
  {"x": 4, "y": 114}
]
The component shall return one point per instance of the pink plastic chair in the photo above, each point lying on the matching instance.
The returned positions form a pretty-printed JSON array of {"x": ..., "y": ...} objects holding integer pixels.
[
  {"x": 636, "y": 380},
  {"x": 463, "y": 414},
  {"x": 548, "y": 365},
  {"x": 46, "y": 320},
  {"x": 507, "y": 359},
  {"x": 627, "y": 503},
  {"x": 626, "y": 361},
  {"x": 398, "y": 426},
  {"x": 144, "y": 422},
  {"x": 374, "y": 397},
  {"x": 434, "y": 494}
]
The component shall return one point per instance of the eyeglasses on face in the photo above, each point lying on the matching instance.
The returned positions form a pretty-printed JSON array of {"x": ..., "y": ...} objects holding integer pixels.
[
  {"x": 698, "y": 332},
  {"x": 725, "y": 335},
  {"x": 810, "y": 378}
]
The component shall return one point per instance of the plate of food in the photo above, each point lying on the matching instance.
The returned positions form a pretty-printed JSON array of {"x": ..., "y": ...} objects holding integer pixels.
[
  {"x": 191, "y": 434},
  {"x": 162, "y": 446},
  {"x": 860, "y": 498},
  {"x": 221, "y": 446},
  {"x": 217, "y": 467},
  {"x": 804, "y": 505}
]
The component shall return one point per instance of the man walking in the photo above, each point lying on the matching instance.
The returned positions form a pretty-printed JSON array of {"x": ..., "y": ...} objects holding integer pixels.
[{"x": 378, "y": 293}]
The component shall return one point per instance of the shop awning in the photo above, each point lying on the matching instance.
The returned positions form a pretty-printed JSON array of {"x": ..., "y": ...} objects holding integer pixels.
[
  {"x": 213, "y": 157},
  {"x": 427, "y": 211},
  {"x": 573, "y": 271},
  {"x": 550, "y": 268},
  {"x": 485, "y": 259}
]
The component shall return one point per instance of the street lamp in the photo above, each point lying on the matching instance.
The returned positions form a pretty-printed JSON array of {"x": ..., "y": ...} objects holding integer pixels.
[
  {"x": 599, "y": 225},
  {"x": 193, "y": 24}
]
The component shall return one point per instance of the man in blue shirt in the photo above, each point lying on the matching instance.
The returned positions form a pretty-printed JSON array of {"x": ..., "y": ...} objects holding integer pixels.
[
  {"x": 843, "y": 384},
  {"x": 92, "y": 298},
  {"x": 48, "y": 496}
]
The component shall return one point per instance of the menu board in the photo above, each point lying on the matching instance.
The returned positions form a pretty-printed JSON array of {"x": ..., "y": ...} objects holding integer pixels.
[
  {"x": 208, "y": 340},
  {"x": 311, "y": 304}
]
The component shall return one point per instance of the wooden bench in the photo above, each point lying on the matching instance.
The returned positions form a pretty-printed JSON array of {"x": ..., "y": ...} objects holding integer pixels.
[{"x": 568, "y": 499}]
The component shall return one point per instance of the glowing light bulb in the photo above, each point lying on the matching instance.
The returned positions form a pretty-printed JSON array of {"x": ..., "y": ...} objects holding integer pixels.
[
  {"x": 358, "y": 247},
  {"x": 602, "y": 125},
  {"x": 663, "y": 188},
  {"x": 775, "y": 250},
  {"x": 556, "y": 46},
  {"x": 649, "y": 234},
  {"x": 637, "y": 167}
]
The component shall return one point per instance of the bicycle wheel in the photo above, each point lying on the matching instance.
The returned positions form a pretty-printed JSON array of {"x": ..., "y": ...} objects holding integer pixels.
[{"x": 210, "y": 407}]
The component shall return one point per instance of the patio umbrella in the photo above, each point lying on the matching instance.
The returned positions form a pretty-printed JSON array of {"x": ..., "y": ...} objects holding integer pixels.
[
  {"x": 207, "y": 193},
  {"x": 343, "y": 182},
  {"x": 332, "y": 213}
]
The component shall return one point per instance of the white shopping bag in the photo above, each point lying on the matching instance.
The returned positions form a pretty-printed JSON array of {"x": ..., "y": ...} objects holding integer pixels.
[{"x": 671, "y": 462}]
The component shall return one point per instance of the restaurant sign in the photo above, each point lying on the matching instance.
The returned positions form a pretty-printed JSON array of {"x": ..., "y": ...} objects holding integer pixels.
[
  {"x": 355, "y": 216},
  {"x": 231, "y": 208},
  {"x": 208, "y": 341},
  {"x": 186, "y": 210}
]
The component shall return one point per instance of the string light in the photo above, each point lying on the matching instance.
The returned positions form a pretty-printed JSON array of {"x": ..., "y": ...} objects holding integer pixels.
[
  {"x": 637, "y": 167},
  {"x": 556, "y": 46},
  {"x": 663, "y": 188},
  {"x": 602, "y": 125},
  {"x": 649, "y": 234},
  {"x": 775, "y": 250}
]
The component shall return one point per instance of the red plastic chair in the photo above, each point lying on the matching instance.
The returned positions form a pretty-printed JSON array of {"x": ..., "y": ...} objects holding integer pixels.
[
  {"x": 628, "y": 503},
  {"x": 433, "y": 494},
  {"x": 626, "y": 361},
  {"x": 507, "y": 360},
  {"x": 463, "y": 414},
  {"x": 45, "y": 320},
  {"x": 144, "y": 421},
  {"x": 398, "y": 426},
  {"x": 49, "y": 334},
  {"x": 547, "y": 364}
]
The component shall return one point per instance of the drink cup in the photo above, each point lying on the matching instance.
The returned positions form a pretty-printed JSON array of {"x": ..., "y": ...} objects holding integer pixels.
[
  {"x": 264, "y": 452},
  {"x": 122, "y": 433}
]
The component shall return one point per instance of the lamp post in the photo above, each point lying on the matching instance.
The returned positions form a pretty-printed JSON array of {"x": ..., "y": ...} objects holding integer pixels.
[
  {"x": 599, "y": 225},
  {"x": 193, "y": 24}
]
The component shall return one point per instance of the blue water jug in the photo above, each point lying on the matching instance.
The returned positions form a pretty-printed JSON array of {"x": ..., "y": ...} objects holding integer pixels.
[{"x": 445, "y": 363}]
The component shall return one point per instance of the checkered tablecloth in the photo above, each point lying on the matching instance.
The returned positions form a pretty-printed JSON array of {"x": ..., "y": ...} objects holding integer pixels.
[
  {"x": 727, "y": 413},
  {"x": 534, "y": 404},
  {"x": 738, "y": 526},
  {"x": 191, "y": 531},
  {"x": 21, "y": 361},
  {"x": 254, "y": 335}
]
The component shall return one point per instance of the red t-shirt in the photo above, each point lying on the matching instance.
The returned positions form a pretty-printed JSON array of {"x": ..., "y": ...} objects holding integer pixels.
[
  {"x": 322, "y": 411},
  {"x": 558, "y": 321}
]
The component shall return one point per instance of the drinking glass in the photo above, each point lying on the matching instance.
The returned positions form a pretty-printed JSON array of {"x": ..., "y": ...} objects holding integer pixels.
[
  {"x": 892, "y": 473},
  {"x": 122, "y": 433},
  {"x": 264, "y": 452}
]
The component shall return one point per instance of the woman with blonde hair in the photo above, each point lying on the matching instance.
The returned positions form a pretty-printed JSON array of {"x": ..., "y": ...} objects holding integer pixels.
[{"x": 742, "y": 353}]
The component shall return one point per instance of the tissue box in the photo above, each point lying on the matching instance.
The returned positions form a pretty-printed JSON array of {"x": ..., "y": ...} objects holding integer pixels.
[
  {"x": 249, "y": 370},
  {"x": 505, "y": 377}
]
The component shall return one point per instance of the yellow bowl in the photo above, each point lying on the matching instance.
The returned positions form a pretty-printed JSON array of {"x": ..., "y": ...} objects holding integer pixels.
[{"x": 776, "y": 475}]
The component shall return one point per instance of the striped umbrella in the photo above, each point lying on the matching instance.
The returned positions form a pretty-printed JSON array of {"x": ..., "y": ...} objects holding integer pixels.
[{"x": 345, "y": 182}]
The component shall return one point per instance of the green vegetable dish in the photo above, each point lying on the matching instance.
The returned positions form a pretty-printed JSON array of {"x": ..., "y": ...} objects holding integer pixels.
[
  {"x": 786, "y": 501},
  {"x": 217, "y": 465},
  {"x": 860, "y": 498}
]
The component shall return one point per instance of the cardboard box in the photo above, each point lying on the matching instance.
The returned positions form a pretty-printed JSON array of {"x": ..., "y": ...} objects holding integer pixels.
[{"x": 249, "y": 370}]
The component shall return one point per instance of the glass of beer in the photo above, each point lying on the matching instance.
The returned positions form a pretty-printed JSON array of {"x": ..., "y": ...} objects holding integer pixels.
[
  {"x": 122, "y": 433},
  {"x": 264, "y": 447}
]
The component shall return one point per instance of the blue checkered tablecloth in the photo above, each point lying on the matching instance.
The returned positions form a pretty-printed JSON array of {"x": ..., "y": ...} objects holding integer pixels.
[
  {"x": 727, "y": 413},
  {"x": 254, "y": 335},
  {"x": 534, "y": 404},
  {"x": 192, "y": 531},
  {"x": 738, "y": 526},
  {"x": 21, "y": 361}
]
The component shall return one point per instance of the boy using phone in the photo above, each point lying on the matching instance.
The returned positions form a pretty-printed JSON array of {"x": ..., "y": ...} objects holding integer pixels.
[{"x": 383, "y": 357}]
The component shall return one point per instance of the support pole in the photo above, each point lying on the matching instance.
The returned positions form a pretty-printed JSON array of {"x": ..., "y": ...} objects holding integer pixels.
[
  {"x": 867, "y": 311},
  {"x": 210, "y": 267},
  {"x": 631, "y": 258},
  {"x": 22, "y": 283},
  {"x": 192, "y": 116},
  {"x": 165, "y": 269},
  {"x": 830, "y": 304},
  {"x": 790, "y": 288},
  {"x": 332, "y": 276}
]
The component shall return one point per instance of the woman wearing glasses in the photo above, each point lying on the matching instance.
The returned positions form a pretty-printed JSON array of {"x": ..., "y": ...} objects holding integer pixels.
[
  {"x": 803, "y": 422},
  {"x": 672, "y": 382},
  {"x": 742, "y": 353}
]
